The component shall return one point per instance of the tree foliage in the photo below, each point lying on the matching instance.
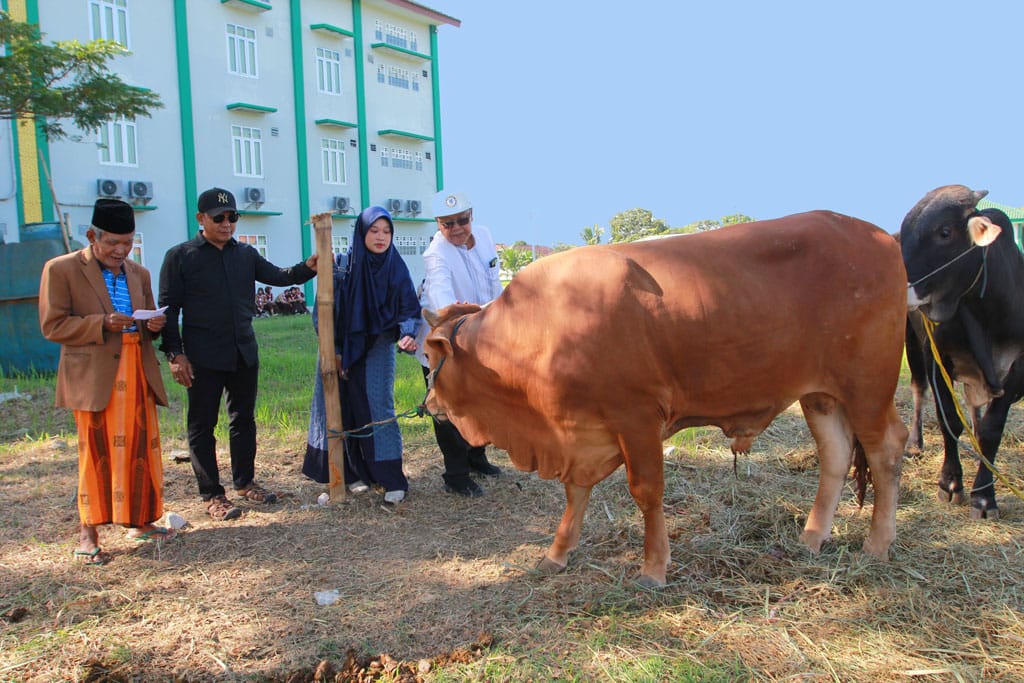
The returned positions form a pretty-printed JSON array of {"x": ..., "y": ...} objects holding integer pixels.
[
  {"x": 592, "y": 235},
  {"x": 513, "y": 260},
  {"x": 64, "y": 80},
  {"x": 634, "y": 224}
]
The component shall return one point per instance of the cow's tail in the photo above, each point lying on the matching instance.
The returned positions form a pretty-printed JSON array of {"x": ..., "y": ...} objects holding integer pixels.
[{"x": 861, "y": 472}]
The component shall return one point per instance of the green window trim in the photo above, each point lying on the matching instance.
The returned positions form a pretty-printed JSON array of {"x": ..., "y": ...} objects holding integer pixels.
[
  {"x": 253, "y": 212},
  {"x": 343, "y": 216},
  {"x": 255, "y": 108},
  {"x": 402, "y": 52},
  {"x": 331, "y": 28},
  {"x": 404, "y": 134},
  {"x": 412, "y": 220},
  {"x": 261, "y": 6},
  {"x": 335, "y": 123},
  {"x": 144, "y": 207}
]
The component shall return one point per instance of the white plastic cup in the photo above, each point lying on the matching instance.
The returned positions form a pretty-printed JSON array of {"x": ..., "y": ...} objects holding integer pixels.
[
  {"x": 323, "y": 499},
  {"x": 176, "y": 521}
]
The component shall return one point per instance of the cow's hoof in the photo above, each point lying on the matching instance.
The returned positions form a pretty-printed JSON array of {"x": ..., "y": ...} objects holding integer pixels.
[
  {"x": 814, "y": 541},
  {"x": 548, "y": 566},
  {"x": 953, "y": 497},
  {"x": 981, "y": 512},
  {"x": 649, "y": 583}
]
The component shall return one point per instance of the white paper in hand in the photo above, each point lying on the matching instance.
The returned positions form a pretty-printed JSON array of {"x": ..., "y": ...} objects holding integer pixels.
[{"x": 147, "y": 314}]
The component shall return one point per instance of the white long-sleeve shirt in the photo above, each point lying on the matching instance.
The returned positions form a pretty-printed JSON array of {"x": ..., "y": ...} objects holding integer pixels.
[{"x": 459, "y": 274}]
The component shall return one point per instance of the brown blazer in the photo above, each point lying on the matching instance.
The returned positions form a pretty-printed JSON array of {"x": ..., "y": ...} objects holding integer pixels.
[{"x": 73, "y": 301}]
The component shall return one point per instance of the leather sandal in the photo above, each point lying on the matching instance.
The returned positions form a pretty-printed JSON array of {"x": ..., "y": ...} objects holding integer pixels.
[{"x": 257, "y": 494}]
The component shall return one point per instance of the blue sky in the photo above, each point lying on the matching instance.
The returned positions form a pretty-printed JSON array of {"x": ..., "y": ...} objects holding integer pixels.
[{"x": 557, "y": 115}]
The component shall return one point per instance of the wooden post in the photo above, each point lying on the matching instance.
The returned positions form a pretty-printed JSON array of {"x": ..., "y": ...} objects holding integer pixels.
[
  {"x": 62, "y": 219},
  {"x": 328, "y": 365}
]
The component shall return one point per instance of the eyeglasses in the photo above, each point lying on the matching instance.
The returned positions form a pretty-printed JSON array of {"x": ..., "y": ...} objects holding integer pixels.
[
  {"x": 462, "y": 221},
  {"x": 232, "y": 217}
]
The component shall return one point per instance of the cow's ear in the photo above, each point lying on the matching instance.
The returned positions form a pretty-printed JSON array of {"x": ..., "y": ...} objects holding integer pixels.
[
  {"x": 437, "y": 347},
  {"x": 983, "y": 231},
  {"x": 431, "y": 318}
]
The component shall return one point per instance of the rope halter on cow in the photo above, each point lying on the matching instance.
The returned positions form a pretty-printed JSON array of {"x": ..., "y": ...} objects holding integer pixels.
[
  {"x": 421, "y": 409},
  {"x": 929, "y": 328}
]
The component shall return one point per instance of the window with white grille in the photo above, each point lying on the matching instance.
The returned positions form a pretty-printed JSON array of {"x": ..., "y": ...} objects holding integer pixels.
[
  {"x": 328, "y": 71},
  {"x": 408, "y": 245},
  {"x": 247, "y": 151},
  {"x": 392, "y": 34},
  {"x": 259, "y": 242},
  {"x": 333, "y": 156},
  {"x": 136, "y": 254},
  {"x": 108, "y": 20},
  {"x": 242, "y": 50},
  {"x": 118, "y": 143},
  {"x": 339, "y": 244}
]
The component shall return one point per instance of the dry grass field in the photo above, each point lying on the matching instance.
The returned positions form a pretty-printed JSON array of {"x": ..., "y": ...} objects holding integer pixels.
[{"x": 441, "y": 588}]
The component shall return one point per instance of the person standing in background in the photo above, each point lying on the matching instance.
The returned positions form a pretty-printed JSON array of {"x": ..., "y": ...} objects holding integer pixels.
[
  {"x": 461, "y": 266},
  {"x": 109, "y": 376},
  {"x": 210, "y": 280}
]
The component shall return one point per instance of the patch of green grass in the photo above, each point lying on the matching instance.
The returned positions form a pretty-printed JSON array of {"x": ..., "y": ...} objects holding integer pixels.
[{"x": 288, "y": 355}]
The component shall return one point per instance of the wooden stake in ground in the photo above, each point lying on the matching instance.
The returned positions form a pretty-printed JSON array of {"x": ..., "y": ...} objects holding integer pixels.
[
  {"x": 65, "y": 229},
  {"x": 328, "y": 365}
]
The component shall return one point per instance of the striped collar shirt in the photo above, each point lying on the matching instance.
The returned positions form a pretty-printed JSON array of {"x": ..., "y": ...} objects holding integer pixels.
[{"x": 117, "y": 288}]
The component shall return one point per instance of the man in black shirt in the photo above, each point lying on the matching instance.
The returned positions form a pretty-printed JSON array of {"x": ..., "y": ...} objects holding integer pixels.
[{"x": 210, "y": 281}]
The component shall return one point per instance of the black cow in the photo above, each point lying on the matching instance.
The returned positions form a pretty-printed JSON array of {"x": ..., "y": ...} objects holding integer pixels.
[{"x": 966, "y": 273}]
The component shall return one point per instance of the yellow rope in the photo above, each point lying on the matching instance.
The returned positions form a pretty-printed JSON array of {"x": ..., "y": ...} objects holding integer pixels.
[{"x": 929, "y": 326}]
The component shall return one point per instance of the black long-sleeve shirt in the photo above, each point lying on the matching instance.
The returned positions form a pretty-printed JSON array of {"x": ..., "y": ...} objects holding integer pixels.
[{"x": 214, "y": 290}]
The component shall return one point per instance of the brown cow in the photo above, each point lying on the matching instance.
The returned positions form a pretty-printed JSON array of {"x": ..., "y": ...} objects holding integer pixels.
[{"x": 592, "y": 357}]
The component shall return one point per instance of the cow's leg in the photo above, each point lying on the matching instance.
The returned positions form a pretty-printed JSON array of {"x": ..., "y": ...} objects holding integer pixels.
[
  {"x": 885, "y": 458},
  {"x": 646, "y": 475},
  {"x": 832, "y": 432},
  {"x": 568, "y": 535},
  {"x": 951, "y": 477},
  {"x": 916, "y": 360},
  {"x": 990, "y": 434}
]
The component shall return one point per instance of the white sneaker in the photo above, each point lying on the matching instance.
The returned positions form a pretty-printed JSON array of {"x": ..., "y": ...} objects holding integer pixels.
[
  {"x": 394, "y": 497},
  {"x": 358, "y": 487}
]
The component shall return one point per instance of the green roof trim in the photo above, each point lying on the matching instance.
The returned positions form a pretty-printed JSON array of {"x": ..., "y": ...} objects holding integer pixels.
[
  {"x": 401, "y": 51},
  {"x": 246, "y": 106},
  {"x": 404, "y": 134},
  {"x": 412, "y": 220},
  {"x": 144, "y": 207},
  {"x": 1013, "y": 213},
  {"x": 262, "y": 6},
  {"x": 336, "y": 123},
  {"x": 252, "y": 212},
  {"x": 345, "y": 216},
  {"x": 331, "y": 28}
]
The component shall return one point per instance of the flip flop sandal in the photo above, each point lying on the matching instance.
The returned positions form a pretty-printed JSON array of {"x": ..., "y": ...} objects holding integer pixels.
[
  {"x": 91, "y": 558},
  {"x": 157, "y": 533}
]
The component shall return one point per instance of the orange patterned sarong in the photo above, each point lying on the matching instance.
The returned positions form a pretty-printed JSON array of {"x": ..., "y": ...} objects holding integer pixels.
[{"x": 120, "y": 476}]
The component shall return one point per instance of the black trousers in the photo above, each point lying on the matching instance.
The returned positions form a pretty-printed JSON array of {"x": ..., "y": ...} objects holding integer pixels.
[
  {"x": 203, "y": 409},
  {"x": 457, "y": 453}
]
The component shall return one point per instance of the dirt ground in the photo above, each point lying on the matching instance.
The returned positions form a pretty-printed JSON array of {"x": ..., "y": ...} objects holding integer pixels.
[{"x": 441, "y": 587}]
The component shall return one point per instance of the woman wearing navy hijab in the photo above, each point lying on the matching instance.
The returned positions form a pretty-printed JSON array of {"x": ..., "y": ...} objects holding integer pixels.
[{"x": 375, "y": 306}]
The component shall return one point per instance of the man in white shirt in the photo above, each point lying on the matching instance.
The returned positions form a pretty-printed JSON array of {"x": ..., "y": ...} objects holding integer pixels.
[{"x": 461, "y": 266}]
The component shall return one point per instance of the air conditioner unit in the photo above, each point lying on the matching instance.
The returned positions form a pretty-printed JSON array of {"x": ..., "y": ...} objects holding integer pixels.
[
  {"x": 108, "y": 187},
  {"x": 413, "y": 206},
  {"x": 394, "y": 205},
  {"x": 140, "y": 189},
  {"x": 255, "y": 195},
  {"x": 341, "y": 204}
]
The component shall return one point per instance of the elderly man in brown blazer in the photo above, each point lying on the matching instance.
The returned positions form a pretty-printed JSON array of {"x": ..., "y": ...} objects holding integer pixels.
[{"x": 90, "y": 303}]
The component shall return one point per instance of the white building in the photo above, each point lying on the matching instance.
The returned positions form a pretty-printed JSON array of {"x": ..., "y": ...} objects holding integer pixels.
[{"x": 298, "y": 107}]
